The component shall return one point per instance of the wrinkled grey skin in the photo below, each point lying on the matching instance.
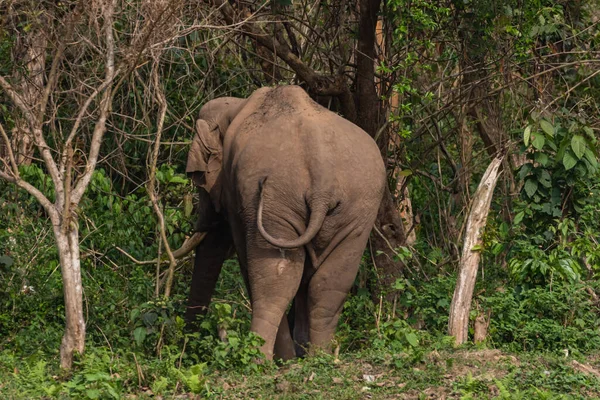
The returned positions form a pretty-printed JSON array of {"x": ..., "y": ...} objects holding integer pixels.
[{"x": 295, "y": 188}]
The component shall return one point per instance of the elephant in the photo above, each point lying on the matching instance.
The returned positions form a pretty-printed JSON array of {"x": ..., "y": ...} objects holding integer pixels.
[{"x": 294, "y": 189}]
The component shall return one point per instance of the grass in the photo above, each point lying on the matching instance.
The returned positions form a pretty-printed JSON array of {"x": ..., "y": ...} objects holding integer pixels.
[
  {"x": 464, "y": 373},
  {"x": 481, "y": 374}
]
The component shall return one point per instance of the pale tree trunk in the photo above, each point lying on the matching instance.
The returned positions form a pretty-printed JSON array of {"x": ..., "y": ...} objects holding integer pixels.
[
  {"x": 69, "y": 189},
  {"x": 67, "y": 242},
  {"x": 458, "y": 325}
]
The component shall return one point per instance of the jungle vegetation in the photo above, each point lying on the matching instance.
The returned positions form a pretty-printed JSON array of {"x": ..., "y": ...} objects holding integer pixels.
[{"x": 98, "y": 100}]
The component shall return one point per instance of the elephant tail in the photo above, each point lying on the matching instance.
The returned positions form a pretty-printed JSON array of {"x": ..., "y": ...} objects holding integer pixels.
[{"x": 317, "y": 217}]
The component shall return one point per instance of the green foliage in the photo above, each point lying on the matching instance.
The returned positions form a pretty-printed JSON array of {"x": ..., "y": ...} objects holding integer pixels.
[
  {"x": 558, "y": 179},
  {"x": 544, "y": 319},
  {"x": 225, "y": 341},
  {"x": 537, "y": 274},
  {"x": 428, "y": 302}
]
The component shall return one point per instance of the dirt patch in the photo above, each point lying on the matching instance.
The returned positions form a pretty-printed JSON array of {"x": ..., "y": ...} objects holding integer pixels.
[{"x": 586, "y": 369}]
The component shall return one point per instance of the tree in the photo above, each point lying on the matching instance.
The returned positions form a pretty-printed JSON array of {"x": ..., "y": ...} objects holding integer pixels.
[
  {"x": 68, "y": 116},
  {"x": 70, "y": 179}
]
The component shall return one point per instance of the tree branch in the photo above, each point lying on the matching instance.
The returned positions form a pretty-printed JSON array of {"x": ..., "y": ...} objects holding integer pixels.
[
  {"x": 326, "y": 85},
  {"x": 11, "y": 155},
  {"x": 100, "y": 127},
  {"x": 37, "y": 134},
  {"x": 162, "y": 101}
]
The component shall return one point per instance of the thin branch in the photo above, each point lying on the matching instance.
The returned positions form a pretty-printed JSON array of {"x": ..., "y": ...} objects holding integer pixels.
[
  {"x": 323, "y": 84},
  {"x": 83, "y": 110},
  {"x": 37, "y": 133},
  {"x": 150, "y": 188},
  {"x": 35, "y": 192},
  {"x": 188, "y": 245},
  {"x": 100, "y": 127},
  {"x": 11, "y": 155},
  {"x": 52, "y": 79}
]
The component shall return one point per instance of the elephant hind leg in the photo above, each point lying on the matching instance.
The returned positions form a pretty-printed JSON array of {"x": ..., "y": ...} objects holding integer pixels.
[
  {"x": 329, "y": 287},
  {"x": 208, "y": 261},
  {"x": 284, "y": 345},
  {"x": 274, "y": 278},
  {"x": 301, "y": 332}
]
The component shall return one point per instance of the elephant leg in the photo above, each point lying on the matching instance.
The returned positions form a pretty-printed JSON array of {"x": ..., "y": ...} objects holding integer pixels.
[
  {"x": 208, "y": 261},
  {"x": 274, "y": 278},
  {"x": 284, "y": 346},
  {"x": 301, "y": 324},
  {"x": 329, "y": 287}
]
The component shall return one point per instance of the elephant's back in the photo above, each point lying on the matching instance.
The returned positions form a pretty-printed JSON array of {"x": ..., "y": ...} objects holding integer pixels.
[{"x": 285, "y": 135}]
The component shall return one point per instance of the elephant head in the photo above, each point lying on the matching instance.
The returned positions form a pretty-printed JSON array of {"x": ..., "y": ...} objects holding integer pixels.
[{"x": 205, "y": 159}]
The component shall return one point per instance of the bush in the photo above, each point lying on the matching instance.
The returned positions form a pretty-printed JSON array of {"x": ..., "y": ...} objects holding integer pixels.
[{"x": 544, "y": 319}]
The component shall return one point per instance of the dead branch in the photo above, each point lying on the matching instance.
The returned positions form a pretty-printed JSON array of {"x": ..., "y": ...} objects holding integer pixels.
[{"x": 463, "y": 294}]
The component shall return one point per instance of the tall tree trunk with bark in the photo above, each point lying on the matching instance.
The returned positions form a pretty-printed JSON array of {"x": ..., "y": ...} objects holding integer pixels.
[
  {"x": 67, "y": 242},
  {"x": 389, "y": 231}
]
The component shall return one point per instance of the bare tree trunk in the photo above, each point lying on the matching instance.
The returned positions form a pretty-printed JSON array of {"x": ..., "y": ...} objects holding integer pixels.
[
  {"x": 367, "y": 99},
  {"x": 389, "y": 228},
  {"x": 388, "y": 235},
  {"x": 67, "y": 242},
  {"x": 466, "y": 157},
  {"x": 463, "y": 294}
]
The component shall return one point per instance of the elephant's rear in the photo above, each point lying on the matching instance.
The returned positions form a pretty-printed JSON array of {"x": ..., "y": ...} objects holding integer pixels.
[
  {"x": 310, "y": 157},
  {"x": 304, "y": 182},
  {"x": 358, "y": 183}
]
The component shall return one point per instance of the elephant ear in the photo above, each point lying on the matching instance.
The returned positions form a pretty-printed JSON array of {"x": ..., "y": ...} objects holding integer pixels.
[{"x": 205, "y": 160}]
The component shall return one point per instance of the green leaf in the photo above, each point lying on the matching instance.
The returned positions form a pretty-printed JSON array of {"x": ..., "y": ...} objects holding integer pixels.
[
  {"x": 569, "y": 160},
  {"x": 589, "y": 155},
  {"x": 139, "y": 334},
  {"x": 412, "y": 339},
  {"x": 134, "y": 314},
  {"x": 405, "y": 172},
  {"x": 538, "y": 141},
  {"x": 518, "y": 218},
  {"x": 531, "y": 186},
  {"x": 578, "y": 145},
  {"x": 524, "y": 171},
  {"x": 545, "y": 179},
  {"x": 6, "y": 260},
  {"x": 178, "y": 179},
  {"x": 527, "y": 135},
  {"x": 542, "y": 159},
  {"x": 547, "y": 127}
]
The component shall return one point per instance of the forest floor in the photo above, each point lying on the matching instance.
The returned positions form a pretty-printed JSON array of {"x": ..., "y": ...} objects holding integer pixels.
[
  {"x": 444, "y": 373},
  {"x": 460, "y": 374}
]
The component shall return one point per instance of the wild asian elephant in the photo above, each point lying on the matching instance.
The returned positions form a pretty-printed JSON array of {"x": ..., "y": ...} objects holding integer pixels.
[{"x": 294, "y": 189}]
